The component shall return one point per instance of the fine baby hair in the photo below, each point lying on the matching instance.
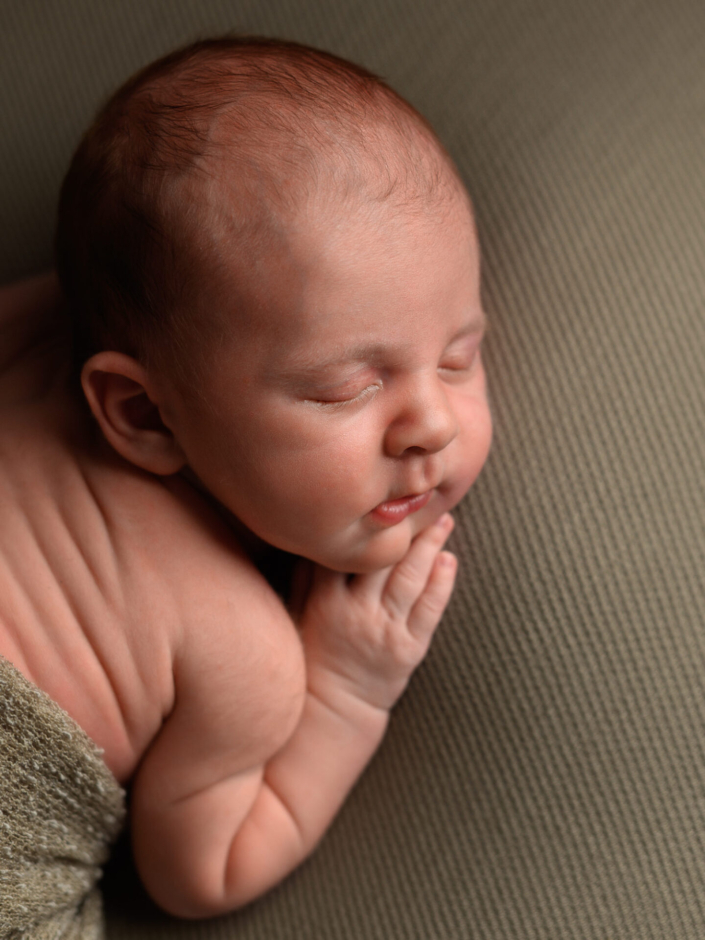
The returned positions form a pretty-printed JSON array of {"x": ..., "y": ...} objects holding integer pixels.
[{"x": 196, "y": 159}]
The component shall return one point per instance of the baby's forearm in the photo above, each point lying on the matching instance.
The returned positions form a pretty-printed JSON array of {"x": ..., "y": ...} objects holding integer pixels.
[
  {"x": 303, "y": 787},
  {"x": 224, "y": 846},
  {"x": 230, "y": 841}
]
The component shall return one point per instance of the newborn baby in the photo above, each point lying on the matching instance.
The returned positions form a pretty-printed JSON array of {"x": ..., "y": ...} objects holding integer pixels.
[{"x": 273, "y": 271}]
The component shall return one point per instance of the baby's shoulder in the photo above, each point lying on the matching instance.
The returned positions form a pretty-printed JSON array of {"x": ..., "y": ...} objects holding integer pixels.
[
  {"x": 133, "y": 533},
  {"x": 238, "y": 661},
  {"x": 111, "y": 579}
]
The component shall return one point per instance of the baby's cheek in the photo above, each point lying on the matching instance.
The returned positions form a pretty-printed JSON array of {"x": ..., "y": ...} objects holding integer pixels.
[
  {"x": 337, "y": 469},
  {"x": 475, "y": 427},
  {"x": 472, "y": 448},
  {"x": 483, "y": 433}
]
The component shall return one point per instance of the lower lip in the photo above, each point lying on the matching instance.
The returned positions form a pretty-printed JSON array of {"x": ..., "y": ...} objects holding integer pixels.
[{"x": 397, "y": 509}]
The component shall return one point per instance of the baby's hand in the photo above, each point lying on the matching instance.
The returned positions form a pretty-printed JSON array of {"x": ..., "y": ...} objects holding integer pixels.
[{"x": 365, "y": 634}]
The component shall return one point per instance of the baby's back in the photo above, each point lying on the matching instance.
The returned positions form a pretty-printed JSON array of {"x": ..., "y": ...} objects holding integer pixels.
[
  {"x": 106, "y": 572},
  {"x": 74, "y": 616}
]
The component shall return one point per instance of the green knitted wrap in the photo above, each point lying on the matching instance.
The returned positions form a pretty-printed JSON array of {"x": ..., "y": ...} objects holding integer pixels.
[{"x": 60, "y": 809}]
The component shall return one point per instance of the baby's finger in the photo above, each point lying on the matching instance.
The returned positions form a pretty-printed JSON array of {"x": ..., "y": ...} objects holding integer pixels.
[
  {"x": 408, "y": 579},
  {"x": 427, "y": 611}
]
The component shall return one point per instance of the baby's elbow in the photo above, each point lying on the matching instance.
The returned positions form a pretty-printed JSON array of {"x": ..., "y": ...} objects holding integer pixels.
[
  {"x": 181, "y": 855},
  {"x": 196, "y": 897},
  {"x": 195, "y": 907},
  {"x": 202, "y": 897}
]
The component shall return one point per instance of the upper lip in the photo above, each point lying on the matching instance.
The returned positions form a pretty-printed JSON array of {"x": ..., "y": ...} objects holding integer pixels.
[
  {"x": 422, "y": 476},
  {"x": 418, "y": 475},
  {"x": 393, "y": 499}
]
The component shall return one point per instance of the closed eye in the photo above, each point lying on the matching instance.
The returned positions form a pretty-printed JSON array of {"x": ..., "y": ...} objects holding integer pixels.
[
  {"x": 460, "y": 367},
  {"x": 336, "y": 403}
]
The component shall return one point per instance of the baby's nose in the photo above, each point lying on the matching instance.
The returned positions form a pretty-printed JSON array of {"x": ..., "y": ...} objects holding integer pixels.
[{"x": 425, "y": 422}]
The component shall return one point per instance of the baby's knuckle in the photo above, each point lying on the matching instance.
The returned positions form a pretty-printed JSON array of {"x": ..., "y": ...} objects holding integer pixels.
[
  {"x": 407, "y": 574},
  {"x": 390, "y": 610}
]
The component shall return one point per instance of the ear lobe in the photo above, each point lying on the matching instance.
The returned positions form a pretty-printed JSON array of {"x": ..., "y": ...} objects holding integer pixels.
[{"x": 122, "y": 400}]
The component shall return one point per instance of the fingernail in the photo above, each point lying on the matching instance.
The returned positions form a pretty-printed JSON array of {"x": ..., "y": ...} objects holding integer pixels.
[{"x": 445, "y": 520}]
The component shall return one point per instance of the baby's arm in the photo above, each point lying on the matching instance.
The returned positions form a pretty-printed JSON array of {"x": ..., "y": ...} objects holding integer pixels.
[{"x": 243, "y": 822}]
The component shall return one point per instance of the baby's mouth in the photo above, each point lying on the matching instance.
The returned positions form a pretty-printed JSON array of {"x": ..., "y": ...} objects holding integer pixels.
[{"x": 394, "y": 510}]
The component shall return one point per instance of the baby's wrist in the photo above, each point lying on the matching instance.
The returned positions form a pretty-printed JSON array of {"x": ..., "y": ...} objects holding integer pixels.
[{"x": 352, "y": 702}]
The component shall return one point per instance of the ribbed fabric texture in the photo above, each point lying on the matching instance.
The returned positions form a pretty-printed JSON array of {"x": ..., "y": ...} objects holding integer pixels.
[{"x": 544, "y": 776}]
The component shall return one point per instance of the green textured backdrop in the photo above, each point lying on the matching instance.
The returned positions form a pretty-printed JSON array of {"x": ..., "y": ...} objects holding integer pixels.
[{"x": 543, "y": 778}]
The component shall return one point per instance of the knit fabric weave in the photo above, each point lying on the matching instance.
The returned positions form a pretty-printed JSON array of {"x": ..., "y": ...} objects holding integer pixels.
[{"x": 60, "y": 808}]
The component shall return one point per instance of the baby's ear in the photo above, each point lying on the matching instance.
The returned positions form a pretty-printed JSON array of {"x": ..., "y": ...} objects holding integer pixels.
[{"x": 122, "y": 399}]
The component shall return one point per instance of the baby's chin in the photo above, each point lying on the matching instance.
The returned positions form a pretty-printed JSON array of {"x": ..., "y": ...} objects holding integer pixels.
[{"x": 381, "y": 549}]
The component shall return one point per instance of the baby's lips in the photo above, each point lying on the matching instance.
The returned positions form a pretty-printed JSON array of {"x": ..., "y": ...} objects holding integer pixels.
[{"x": 394, "y": 510}]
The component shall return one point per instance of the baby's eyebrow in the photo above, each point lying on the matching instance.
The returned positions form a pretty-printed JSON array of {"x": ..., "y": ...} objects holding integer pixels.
[
  {"x": 305, "y": 366},
  {"x": 303, "y": 369}
]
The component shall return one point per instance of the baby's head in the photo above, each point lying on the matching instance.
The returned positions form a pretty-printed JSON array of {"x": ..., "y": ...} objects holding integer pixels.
[{"x": 275, "y": 276}]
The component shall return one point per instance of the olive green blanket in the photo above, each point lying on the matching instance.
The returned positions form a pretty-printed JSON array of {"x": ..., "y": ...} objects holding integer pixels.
[{"x": 60, "y": 808}]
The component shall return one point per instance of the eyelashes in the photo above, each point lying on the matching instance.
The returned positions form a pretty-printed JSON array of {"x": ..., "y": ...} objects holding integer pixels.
[
  {"x": 339, "y": 403},
  {"x": 457, "y": 372}
]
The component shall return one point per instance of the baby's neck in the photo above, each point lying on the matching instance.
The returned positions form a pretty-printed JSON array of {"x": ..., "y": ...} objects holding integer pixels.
[
  {"x": 252, "y": 544},
  {"x": 275, "y": 564}
]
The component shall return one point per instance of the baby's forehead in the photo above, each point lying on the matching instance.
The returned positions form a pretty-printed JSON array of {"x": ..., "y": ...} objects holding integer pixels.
[
  {"x": 314, "y": 269},
  {"x": 330, "y": 231},
  {"x": 283, "y": 300},
  {"x": 253, "y": 214},
  {"x": 246, "y": 224}
]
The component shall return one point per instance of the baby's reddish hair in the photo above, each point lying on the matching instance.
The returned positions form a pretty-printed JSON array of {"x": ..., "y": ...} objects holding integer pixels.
[{"x": 186, "y": 163}]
